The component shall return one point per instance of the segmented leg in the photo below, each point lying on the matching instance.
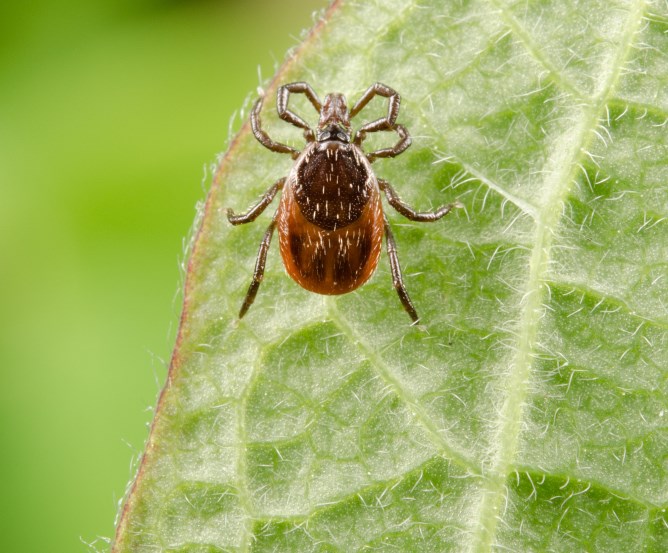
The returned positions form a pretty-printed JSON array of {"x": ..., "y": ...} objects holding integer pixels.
[
  {"x": 387, "y": 122},
  {"x": 397, "y": 278},
  {"x": 404, "y": 142},
  {"x": 258, "y": 208},
  {"x": 263, "y": 137},
  {"x": 259, "y": 268},
  {"x": 284, "y": 113},
  {"x": 407, "y": 211}
]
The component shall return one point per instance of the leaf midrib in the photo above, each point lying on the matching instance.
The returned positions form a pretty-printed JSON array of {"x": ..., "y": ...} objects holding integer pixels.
[{"x": 557, "y": 183}]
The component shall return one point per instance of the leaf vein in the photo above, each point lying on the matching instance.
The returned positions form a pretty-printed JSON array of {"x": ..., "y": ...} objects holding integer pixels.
[
  {"x": 523, "y": 205},
  {"x": 536, "y": 53},
  {"x": 415, "y": 408},
  {"x": 559, "y": 176}
]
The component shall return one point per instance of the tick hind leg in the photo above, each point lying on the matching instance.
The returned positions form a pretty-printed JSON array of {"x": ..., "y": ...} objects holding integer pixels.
[
  {"x": 259, "y": 268},
  {"x": 397, "y": 278},
  {"x": 407, "y": 211}
]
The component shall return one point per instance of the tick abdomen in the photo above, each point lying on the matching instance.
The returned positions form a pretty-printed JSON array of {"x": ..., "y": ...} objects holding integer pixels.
[{"x": 330, "y": 222}]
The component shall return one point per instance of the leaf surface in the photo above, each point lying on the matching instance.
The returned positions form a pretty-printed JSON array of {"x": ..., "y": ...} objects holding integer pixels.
[{"x": 529, "y": 413}]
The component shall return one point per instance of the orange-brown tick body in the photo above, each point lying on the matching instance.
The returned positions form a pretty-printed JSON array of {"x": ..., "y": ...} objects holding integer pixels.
[{"x": 330, "y": 218}]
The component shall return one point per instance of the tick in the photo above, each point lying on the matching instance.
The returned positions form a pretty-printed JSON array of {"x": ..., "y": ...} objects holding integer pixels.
[{"x": 330, "y": 217}]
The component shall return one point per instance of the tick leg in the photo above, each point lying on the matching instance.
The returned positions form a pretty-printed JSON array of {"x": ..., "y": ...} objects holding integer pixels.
[
  {"x": 387, "y": 122},
  {"x": 259, "y": 269},
  {"x": 397, "y": 278},
  {"x": 258, "y": 208},
  {"x": 404, "y": 142},
  {"x": 282, "y": 105},
  {"x": 407, "y": 211},
  {"x": 263, "y": 137}
]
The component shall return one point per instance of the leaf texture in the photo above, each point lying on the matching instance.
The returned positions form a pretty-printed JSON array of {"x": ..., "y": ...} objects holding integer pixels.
[{"x": 529, "y": 413}]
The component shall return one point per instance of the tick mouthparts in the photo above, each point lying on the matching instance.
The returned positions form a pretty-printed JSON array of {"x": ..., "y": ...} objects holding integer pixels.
[{"x": 333, "y": 132}]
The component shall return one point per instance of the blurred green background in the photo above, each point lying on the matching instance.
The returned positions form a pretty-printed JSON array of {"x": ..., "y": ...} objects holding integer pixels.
[{"x": 110, "y": 112}]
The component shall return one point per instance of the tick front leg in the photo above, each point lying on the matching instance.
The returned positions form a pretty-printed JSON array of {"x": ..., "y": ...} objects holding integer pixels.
[
  {"x": 257, "y": 209},
  {"x": 397, "y": 278},
  {"x": 407, "y": 211},
  {"x": 259, "y": 269},
  {"x": 263, "y": 137},
  {"x": 284, "y": 113},
  {"x": 387, "y": 122}
]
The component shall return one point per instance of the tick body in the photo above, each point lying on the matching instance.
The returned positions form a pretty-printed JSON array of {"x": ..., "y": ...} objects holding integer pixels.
[{"x": 330, "y": 217}]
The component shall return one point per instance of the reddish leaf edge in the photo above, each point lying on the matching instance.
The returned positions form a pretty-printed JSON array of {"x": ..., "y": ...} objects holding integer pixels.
[{"x": 175, "y": 361}]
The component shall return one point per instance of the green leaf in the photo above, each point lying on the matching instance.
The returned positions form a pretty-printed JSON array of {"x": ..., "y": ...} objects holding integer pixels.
[{"x": 530, "y": 411}]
